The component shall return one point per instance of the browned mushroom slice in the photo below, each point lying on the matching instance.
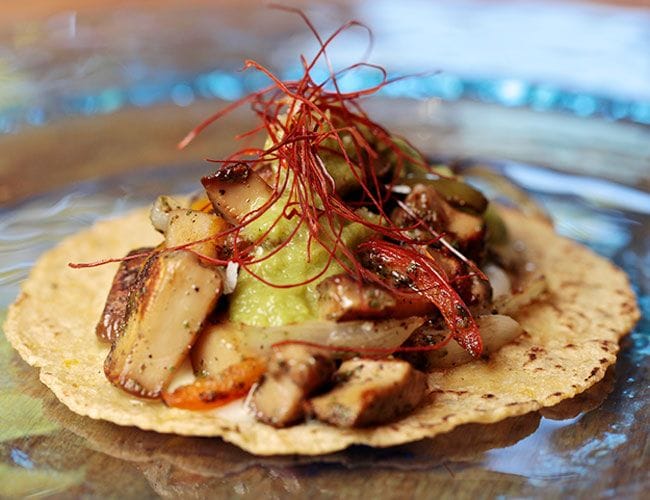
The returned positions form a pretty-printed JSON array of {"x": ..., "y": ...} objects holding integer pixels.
[
  {"x": 426, "y": 205},
  {"x": 475, "y": 291},
  {"x": 191, "y": 226},
  {"x": 176, "y": 293},
  {"x": 294, "y": 372},
  {"x": 235, "y": 190},
  {"x": 215, "y": 350},
  {"x": 469, "y": 230},
  {"x": 278, "y": 402},
  {"x": 464, "y": 229},
  {"x": 370, "y": 392},
  {"x": 113, "y": 317},
  {"x": 342, "y": 298}
]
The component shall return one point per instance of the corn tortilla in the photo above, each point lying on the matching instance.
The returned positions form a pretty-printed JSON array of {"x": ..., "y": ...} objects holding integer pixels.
[{"x": 572, "y": 337}]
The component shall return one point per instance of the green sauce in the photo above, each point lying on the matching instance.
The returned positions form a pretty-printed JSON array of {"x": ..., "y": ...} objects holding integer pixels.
[{"x": 298, "y": 260}]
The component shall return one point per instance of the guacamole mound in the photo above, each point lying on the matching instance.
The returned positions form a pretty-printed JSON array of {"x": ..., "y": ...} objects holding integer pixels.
[{"x": 298, "y": 260}]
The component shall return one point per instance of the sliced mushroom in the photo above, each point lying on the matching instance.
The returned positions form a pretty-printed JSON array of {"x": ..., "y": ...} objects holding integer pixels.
[
  {"x": 113, "y": 318},
  {"x": 466, "y": 230},
  {"x": 175, "y": 294},
  {"x": 342, "y": 298},
  {"x": 216, "y": 349},
  {"x": 427, "y": 205},
  {"x": 478, "y": 296},
  {"x": 370, "y": 392},
  {"x": 191, "y": 226},
  {"x": 235, "y": 190},
  {"x": 451, "y": 264},
  {"x": 475, "y": 291},
  {"x": 278, "y": 402},
  {"x": 294, "y": 373}
]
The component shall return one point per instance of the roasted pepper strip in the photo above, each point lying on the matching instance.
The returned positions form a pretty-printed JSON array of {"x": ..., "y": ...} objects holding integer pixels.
[
  {"x": 420, "y": 272},
  {"x": 212, "y": 391}
]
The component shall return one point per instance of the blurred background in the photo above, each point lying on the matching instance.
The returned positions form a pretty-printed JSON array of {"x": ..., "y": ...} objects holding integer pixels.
[{"x": 62, "y": 61}]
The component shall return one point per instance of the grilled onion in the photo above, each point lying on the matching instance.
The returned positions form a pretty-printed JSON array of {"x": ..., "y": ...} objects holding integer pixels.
[
  {"x": 227, "y": 343},
  {"x": 496, "y": 331}
]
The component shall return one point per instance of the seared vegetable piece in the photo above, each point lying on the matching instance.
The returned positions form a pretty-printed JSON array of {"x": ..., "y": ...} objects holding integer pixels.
[
  {"x": 200, "y": 202},
  {"x": 160, "y": 211},
  {"x": 475, "y": 291},
  {"x": 451, "y": 264},
  {"x": 465, "y": 230},
  {"x": 187, "y": 226},
  {"x": 217, "y": 349},
  {"x": 477, "y": 294},
  {"x": 279, "y": 403},
  {"x": 496, "y": 331},
  {"x": 461, "y": 195},
  {"x": 342, "y": 298},
  {"x": 294, "y": 373},
  {"x": 226, "y": 343},
  {"x": 175, "y": 294},
  {"x": 496, "y": 232},
  {"x": 370, "y": 392},
  {"x": 468, "y": 229},
  {"x": 217, "y": 390},
  {"x": 235, "y": 190},
  {"x": 425, "y": 204},
  {"x": 113, "y": 317},
  {"x": 454, "y": 192},
  {"x": 409, "y": 269}
]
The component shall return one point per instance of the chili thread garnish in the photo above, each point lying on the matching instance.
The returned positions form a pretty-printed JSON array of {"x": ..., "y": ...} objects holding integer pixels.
[
  {"x": 426, "y": 277},
  {"x": 306, "y": 122}
]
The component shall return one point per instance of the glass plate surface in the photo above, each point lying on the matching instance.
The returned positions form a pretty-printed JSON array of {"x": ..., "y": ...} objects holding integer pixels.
[{"x": 567, "y": 450}]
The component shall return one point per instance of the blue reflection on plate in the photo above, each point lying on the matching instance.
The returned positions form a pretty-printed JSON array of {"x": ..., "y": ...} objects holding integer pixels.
[{"x": 182, "y": 89}]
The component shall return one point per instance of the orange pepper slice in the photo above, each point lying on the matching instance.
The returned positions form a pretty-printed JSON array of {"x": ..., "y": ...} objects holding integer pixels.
[{"x": 212, "y": 391}]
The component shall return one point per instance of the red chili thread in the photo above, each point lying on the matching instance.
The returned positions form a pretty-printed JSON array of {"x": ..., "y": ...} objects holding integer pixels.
[{"x": 299, "y": 117}]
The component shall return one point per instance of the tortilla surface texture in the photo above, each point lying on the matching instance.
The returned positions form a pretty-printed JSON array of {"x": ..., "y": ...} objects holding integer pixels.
[{"x": 572, "y": 337}]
